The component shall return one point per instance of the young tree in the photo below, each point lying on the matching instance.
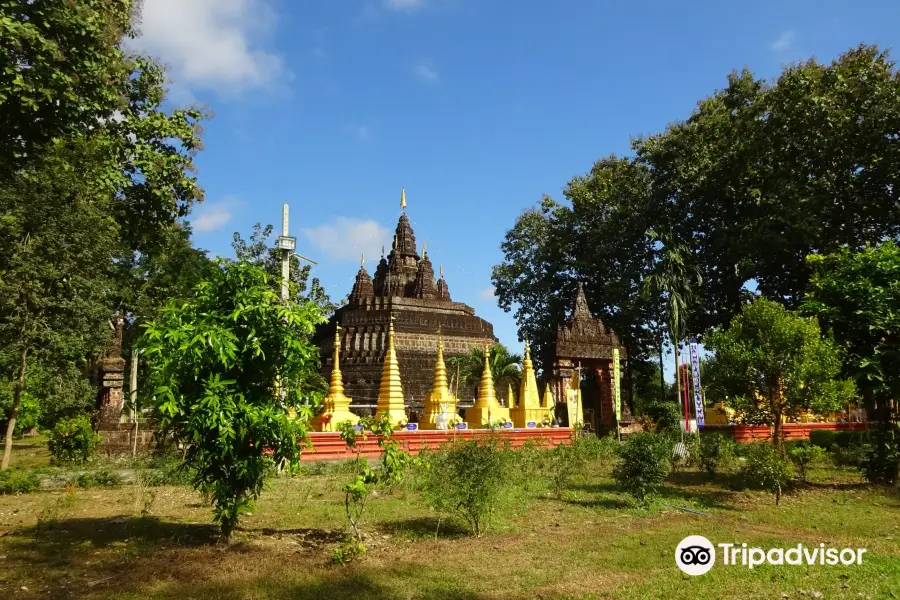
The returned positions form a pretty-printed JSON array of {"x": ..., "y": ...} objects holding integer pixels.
[
  {"x": 215, "y": 360},
  {"x": 772, "y": 363}
]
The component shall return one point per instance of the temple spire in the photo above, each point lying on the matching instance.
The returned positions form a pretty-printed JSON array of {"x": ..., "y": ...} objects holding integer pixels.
[
  {"x": 403, "y": 199},
  {"x": 335, "y": 406},
  {"x": 439, "y": 400},
  {"x": 362, "y": 260},
  {"x": 529, "y": 408},
  {"x": 390, "y": 391},
  {"x": 487, "y": 409}
]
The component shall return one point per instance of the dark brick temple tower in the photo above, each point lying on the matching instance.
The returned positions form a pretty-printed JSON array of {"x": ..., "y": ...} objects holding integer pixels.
[{"x": 404, "y": 286}]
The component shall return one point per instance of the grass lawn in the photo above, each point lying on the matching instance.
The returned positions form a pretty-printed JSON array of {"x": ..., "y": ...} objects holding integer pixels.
[{"x": 94, "y": 543}]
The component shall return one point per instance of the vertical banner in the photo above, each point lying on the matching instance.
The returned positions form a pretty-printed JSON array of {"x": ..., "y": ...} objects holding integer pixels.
[
  {"x": 617, "y": 397},
  {"x": 698, "y": 397}
]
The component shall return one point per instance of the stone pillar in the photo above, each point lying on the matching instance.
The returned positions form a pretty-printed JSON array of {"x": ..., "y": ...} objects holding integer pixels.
[
  {"x": 112, "y": 374},
  {"x": 607, "y": 417}
]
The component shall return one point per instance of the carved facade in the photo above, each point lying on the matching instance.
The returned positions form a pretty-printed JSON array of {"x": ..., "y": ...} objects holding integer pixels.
[
  {"x": 404, "y": 287},
  {"x": 584, "y": 342}
]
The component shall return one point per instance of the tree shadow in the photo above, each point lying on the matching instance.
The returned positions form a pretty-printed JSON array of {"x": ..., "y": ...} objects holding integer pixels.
[
  {"x": 613, "y": 503},
  {"x": 424, "y": 528}
]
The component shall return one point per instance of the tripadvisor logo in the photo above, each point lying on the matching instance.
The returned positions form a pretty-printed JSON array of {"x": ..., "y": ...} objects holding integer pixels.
[{"x": 695, "y": 555}]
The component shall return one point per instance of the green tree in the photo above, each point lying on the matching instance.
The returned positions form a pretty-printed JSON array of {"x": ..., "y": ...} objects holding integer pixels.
[
  {"x": 506, "y": 367},
  {"x": 57, "y": 238},
  {"x": 214, "y": 362},
  {"x": 674, "y": 279},
  {"x": 61, "y": 71},
  {"x": 856, "y": 297},
  {"x": 772, "y": 363},
  {"x": 261, "y": 253}
]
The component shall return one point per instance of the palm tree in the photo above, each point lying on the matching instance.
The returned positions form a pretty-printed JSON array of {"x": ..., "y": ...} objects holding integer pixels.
[
  {"x": 505, "y": 367},
  {"x": 675, "y": 280}
]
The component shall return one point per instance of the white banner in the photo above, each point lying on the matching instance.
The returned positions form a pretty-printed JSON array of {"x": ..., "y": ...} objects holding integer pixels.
[{"x": 698, "y": 396}]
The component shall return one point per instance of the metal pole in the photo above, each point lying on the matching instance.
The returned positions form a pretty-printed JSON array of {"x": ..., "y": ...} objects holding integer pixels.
[{"x": 285, "y": 256}]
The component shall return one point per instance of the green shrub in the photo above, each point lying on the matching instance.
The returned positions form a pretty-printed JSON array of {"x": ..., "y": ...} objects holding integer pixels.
[
  {"x": 803, "y": 454},
  {"x": 467, "y": 480},
  {"x": 102, "y": 478},
  {"x": 666, "y": 416},
  {"x": 644, "y": 464},
  {"x": 766, "y": 468},
  {"x": 73, "y": 440},
  {"x": 823, "y": 438},
  {"x": 882, "y": 459},
  {"x": 18, "y": 481},
  {"x": 563, "y": 463},
  {"x": 717, "y": 453},
  {"x": 847, "y": 439}
]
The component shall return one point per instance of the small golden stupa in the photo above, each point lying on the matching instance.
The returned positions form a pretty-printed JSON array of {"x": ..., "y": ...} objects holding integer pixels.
[
  {"x": 510, "y": 399},
  {"x": 439, "y": 400},
  {"x": 549, "y": 404},
  {"x": 336, "y": 406},
  {"x": 487, "y": 409},
  {"x": 390, "y": 391},
  {"x": 529, "y": 407}
]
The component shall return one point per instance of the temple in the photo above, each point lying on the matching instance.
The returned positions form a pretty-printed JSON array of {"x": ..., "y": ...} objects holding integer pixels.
[
  {"x": 583, "y": 370},
  {"x": 403, "y": 288}
]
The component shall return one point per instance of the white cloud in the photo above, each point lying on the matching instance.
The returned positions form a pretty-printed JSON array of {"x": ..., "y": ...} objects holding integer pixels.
[
  {"x": 212, "y": 44},
  {"x": 487, "y": 293},
  {"x": 347, "y": 238},
  {"x": 426, "y": 73},
  {"x": 404, "y": 5},
  {"x": 784, "y": 41},
  {"x": 213, "y": 216}
]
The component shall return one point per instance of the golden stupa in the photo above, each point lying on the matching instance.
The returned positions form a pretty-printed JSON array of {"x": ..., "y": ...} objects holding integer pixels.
[
  {"x": 336, "y": 406},
  {"x": 529, "y": 408},
  {"x": 439, "y": 400},
  {"x": 487, "y": 409},
  {"x": 549, "y": 404},
  {"x": 390, "y": 391}
]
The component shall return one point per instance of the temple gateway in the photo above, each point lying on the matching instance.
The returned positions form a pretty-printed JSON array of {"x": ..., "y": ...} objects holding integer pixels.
[{"x": 403, "y": 288}]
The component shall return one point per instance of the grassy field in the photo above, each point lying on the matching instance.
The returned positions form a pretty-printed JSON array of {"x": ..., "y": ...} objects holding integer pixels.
[{"x": 134, "y": 541}]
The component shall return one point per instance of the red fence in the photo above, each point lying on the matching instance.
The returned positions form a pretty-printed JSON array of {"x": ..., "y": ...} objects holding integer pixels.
[
  {"x": 792, "y": 431},
  {"x": 330, "y": 446}
]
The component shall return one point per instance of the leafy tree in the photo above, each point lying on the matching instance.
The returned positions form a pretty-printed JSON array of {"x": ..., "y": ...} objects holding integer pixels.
[
  {"x": 61, "y": 71},
  {"x": 763, "y": 174},
  {"x": 772, "y": 363},
  {"x": 856, "y": 296},
  {"x": 55, "y": 278},
  {"x": 261, "y": 253},
  {"x": 505, "y": 367},
  {"x": 765, "y": 467},
  {"x": 215, "y": 360},
  {"x": 803, "y": 455}
]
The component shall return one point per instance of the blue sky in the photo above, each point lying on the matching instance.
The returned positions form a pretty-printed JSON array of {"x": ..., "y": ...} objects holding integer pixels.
[{"x": 477, "y": 107}]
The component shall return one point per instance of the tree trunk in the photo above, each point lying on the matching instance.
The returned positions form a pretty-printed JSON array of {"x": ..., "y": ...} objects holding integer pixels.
[
  {"x": 14, "y": 412},
  {"x": 662, "y": 377}
]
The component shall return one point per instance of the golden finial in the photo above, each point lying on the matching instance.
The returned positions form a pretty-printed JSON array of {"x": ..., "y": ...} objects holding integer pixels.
[
  {"x": 403, "y": 199},
  {"x": 362, "y": 260},
  {"x": 382, "y": 251},
  {"x": 442, "y": 271},
  {"x": 424, "y": 249}
]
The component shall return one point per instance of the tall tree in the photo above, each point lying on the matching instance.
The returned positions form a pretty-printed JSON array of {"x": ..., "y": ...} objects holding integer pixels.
[
  {"x": 771, "y": 363},
  {"x": 56, "y": 244},
  {"x": 856, "y": 297},
  {"x": 674, "y": 279},
  {"x": 258, "y": 251}
]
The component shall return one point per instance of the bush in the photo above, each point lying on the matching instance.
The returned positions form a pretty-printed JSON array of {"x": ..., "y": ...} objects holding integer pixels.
[
  {"x": 102, "y": 478},
  {"x": 73, "y": 440},
  {"x": 564, "y": 462},
  {"x": 848, "y": 439},
  {"x": 717, "y": 453},
  {"x": 803, "y": 454},
  {"x": 823, "y": 438},
  {"x": 18, "y": 481},
  {"x": 766, "y": 468},
  {"x": 666, "y": 416},
  {"x": 467, "y": 480},
  {"x": 882, "y": 460},
  {"x": 644, "y": 464}
]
